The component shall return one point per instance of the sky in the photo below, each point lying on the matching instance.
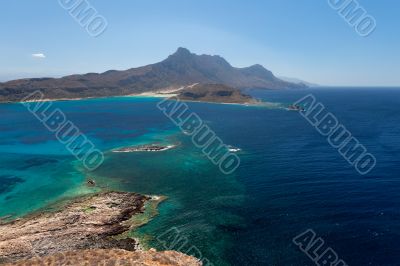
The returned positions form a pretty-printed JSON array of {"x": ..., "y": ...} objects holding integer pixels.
[{"x": 305, "y": 39}]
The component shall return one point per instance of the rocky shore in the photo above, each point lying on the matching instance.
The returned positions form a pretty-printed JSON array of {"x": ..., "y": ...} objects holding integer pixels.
[{"x": 90, "y": 222}]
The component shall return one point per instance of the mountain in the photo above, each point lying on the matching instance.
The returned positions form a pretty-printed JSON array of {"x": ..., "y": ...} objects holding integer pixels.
[
  {"x": 299, "y": 81},
  {"x": 182, "y": 68}
]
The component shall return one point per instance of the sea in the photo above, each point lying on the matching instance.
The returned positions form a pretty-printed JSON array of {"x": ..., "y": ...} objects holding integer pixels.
[{"x": 290, "y": 178}]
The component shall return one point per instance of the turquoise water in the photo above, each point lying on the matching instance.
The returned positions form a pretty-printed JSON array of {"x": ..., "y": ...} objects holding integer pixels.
[{"x": 289, "y": 180}]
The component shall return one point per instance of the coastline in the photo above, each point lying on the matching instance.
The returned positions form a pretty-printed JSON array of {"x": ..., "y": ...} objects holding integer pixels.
[
  {"x": 153, "y": 95},
  {"x": 229, "y": 103},
  {"x": 169, "y": 94},
  {"x": 166, "y": 94}
]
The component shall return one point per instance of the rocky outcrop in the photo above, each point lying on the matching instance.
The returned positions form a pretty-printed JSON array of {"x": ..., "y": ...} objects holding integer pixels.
[
  {"x": 90, "y": 222},
  {"x": 113, "y": 257}
]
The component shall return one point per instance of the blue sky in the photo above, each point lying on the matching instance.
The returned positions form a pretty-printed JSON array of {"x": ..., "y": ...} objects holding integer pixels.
[{"x": 305, "y": 39}]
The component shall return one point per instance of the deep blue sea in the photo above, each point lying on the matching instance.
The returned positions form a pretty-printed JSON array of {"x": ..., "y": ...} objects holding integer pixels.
[{"x": 290, "y": 178}]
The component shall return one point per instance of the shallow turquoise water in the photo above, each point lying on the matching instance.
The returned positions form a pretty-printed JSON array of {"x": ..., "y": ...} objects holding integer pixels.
[{"x": 289, "y": 180}]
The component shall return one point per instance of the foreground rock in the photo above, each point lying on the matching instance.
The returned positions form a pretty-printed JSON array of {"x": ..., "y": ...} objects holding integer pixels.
[
  {"x": 89, "y": 222},
  {"x": 113, "y": 257}
]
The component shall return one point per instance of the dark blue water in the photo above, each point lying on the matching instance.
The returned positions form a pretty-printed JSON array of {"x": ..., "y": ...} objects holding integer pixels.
[
  {"x": 290, "y": 179},
  {"x": 295, "y": 180}
]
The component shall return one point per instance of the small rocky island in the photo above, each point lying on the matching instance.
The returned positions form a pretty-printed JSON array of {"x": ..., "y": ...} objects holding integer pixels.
[
  {"x": 96, "y": 222},
  {"x": 295, "y": 107},
  {"x": 145, "y": 148},
  {"x": 217, "y": 93}
]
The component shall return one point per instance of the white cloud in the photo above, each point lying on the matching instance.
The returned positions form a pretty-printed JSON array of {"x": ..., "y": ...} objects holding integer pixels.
[{"x": 40, "y": 55}]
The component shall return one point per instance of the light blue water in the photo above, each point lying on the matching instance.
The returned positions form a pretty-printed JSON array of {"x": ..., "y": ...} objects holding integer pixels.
[{"x": 289, "y": 180}]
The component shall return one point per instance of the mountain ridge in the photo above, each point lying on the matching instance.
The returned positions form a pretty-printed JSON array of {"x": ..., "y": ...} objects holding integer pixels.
[
  {"x": 181, "y": 68},
  {"x": 299, "y": 81}
]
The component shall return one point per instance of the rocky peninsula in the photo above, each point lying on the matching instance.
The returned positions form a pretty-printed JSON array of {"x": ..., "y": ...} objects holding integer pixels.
[
  {"x": 96, "y": 221},
  {"x": 215, "y": 93}
]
